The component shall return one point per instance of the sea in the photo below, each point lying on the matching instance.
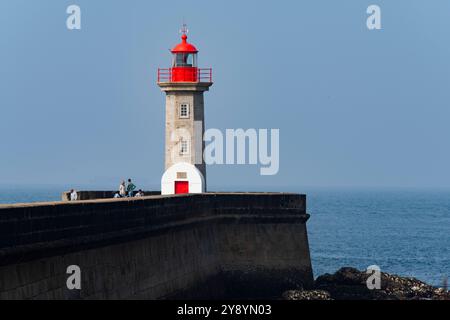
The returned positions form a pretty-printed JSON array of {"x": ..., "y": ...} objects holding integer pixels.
[{"x": 402, "y": 231}]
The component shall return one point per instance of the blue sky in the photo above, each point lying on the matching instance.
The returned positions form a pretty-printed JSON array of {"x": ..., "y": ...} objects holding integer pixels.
[{"x": 354, "y": 107}]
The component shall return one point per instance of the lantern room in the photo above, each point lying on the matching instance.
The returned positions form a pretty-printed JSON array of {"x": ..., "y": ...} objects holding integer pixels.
[
  {"x": 184, "y": 54},
  {"x": 184, "y": 64}
]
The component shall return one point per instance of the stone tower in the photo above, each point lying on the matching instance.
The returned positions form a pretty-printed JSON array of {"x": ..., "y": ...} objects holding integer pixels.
[{"x": 184, "y": 85}]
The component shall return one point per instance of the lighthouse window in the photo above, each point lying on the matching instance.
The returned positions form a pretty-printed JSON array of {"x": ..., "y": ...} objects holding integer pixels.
[
  {"x": 184, "y": 110},
  {"x": 184, "y": 60},
  {"x": 184, "y": 147},
  {"x": 181, "y": 175}
]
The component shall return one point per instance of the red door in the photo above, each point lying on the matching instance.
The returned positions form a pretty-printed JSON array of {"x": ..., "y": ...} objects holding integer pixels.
[{"x": 181, "y": 187}]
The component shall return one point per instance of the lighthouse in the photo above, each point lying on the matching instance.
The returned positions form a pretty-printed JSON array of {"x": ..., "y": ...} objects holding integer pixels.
[{"x": 184, "y": 84}]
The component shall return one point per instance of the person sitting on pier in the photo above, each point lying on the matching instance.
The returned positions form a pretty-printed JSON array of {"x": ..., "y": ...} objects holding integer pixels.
[{"x": 139, "y": 194}]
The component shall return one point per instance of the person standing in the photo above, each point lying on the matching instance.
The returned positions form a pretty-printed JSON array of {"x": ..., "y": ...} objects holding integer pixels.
[
  {"x": 73, "y": 195},
  {"x": 122, "y": 190},
  {"x": 130, "y": 188}
]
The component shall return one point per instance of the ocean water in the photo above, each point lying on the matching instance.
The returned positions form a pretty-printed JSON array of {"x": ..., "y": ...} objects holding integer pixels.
[
  {"x": 25, "y": 194},
  {"x": 405, "y": 232}
]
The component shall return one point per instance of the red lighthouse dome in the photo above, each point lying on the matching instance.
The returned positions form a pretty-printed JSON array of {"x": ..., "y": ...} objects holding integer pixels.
[
  {"x": 184, "y": 64},
  {"x": 184, "y": 46}
]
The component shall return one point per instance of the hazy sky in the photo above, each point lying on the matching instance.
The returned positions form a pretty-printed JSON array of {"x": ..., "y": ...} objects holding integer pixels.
[{"x": 354, "y": 107}]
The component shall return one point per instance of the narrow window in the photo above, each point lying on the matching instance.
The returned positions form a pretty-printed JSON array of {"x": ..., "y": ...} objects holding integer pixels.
[
  {"x": 184, "y": 147},
  {"x": 184, "y": 111}
]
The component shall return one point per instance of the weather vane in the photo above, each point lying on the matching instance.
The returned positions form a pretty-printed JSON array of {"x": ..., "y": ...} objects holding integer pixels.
[{"x": 184, "y": 29}]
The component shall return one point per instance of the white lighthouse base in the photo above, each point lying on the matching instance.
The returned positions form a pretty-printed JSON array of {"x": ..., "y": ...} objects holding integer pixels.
[{"x": 181, "y": 178}]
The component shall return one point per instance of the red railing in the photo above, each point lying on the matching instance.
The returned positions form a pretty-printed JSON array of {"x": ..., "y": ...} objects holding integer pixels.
[
  {"x": 203, "y": 75},
  {"x": 164, "y": 75}
]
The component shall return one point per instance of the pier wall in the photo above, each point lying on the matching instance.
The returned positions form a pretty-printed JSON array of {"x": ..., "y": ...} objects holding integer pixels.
[{"x": 214, "y": 245}]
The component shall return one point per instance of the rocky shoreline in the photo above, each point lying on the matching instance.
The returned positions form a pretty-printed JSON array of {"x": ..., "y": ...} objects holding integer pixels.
[{"x": 350, "y": 284}]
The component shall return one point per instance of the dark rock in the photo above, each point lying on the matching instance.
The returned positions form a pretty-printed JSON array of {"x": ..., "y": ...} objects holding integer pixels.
[{"x": 350, "y": 284}]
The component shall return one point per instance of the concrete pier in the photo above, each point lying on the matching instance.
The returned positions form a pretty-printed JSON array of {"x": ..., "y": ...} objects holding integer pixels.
[{"x": 212, "y": 245}]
